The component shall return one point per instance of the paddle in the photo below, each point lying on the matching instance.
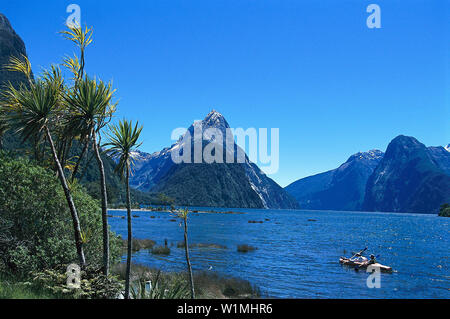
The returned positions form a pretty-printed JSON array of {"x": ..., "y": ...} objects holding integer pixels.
[{"x": 360, "y": 253}]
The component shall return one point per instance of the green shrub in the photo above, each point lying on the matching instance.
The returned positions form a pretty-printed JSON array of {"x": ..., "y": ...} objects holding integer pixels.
[
  {"x": 36, "y": 230},
  {"x": 445, "y": 210},
  {"x": 93, "y": 284},
  {"x": 164, "y": 285}
]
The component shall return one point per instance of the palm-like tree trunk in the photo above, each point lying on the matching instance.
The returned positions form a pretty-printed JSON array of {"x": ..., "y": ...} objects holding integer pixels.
[
  {"x": 188, "y": 261},
  {"x": 73, "y": 210},
  {"x": 104, "y": 206},
  {"x": 66, "y": 149},
  {"x": 36, "y": 148},
  {"x": 80, "y": 158},
  {"x": 127, "y": 279}
]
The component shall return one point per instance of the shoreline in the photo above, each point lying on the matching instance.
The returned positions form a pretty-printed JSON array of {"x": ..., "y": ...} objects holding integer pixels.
[{"x": 168, "y": 211}]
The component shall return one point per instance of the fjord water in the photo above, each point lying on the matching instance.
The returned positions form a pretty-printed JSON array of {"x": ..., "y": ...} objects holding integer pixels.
[{"x": 298, "y": 251}]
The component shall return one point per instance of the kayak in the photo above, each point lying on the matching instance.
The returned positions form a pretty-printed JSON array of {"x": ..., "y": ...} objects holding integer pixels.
[{"x": 363, "y": 265}]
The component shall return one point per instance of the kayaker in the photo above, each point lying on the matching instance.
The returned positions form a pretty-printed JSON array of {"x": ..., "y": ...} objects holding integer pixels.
[
  {"x": 358, "y": 256},
  {"x": 371, "y": 261}
]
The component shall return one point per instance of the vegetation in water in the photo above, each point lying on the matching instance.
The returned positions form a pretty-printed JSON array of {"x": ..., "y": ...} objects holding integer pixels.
[
  {"x": 245, "y": 248},
  {"x": 138, "y": 244},
  {"x": 160, "y": 250}
]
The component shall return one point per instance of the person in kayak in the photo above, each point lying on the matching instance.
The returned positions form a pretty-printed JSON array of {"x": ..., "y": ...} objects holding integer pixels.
[
  {"x": 371, "y": 261},
  {"x": 358, "y": 256}
]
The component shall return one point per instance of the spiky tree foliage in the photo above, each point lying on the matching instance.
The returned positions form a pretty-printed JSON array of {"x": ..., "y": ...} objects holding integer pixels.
[
  {"x": 90, "y": 109},
  {"x": 21, "y": 65},
  {"x": 81, "y": 38},
  {"x": 123, "y": 140},
  {"x": 62, "y": 137},
  {"x": 33, "y": 111}
]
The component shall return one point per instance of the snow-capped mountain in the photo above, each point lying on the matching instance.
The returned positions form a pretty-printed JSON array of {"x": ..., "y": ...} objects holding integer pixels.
[
  {"x": 202, "y": 184},
  {"x": 340, "y": 189}
]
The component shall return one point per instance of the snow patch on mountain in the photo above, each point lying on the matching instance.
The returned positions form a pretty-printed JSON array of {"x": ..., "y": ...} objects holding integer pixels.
[{"x": 150, "y": 168}]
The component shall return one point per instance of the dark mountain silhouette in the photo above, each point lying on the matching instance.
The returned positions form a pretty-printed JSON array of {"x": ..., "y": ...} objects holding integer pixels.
[{"x": 410, "y": 178}]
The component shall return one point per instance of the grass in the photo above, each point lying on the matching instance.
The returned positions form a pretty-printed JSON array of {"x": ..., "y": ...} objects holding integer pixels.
[
  {"x": 245, "y": 248},
  {"x": 208, "y": 285},
  {"x": 171, "y": 285},
  {"x": 13, "y": 289},
  {"x": 160, "y": 250},
  {"x": 211, "y": 285}
]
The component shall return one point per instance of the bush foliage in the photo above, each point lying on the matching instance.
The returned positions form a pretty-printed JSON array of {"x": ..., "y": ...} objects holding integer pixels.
[
  {"x": 445, "y": 210},
  {"x": 93, "y": 284},
  {"x": 36, "y": 231}
]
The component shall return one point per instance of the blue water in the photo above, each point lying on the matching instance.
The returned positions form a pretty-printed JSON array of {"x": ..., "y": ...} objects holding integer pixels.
[{"x": 298, "y": 258}]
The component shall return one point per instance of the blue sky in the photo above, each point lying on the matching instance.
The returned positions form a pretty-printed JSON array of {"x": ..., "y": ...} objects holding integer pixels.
[{"x": 311, "y": 68}]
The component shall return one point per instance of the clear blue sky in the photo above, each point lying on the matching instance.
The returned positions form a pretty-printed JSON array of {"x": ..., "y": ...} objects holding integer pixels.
[{"x": 311, "y": 68}]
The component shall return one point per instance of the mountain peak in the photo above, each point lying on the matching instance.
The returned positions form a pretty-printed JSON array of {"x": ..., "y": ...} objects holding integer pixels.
[
  {"x": 410, "y": 178},
  {"x": 213, "y": 115},
  {"x": 403, "y": 145},
  {"x": 215, "y": 120},
  {"x": 369, "y": 155},
  {"x": 405, "y": 140},
  {"x": 227, "y": 184},
  {"x": 10, "y": 45},
  {"x": 5, "y": 24}
]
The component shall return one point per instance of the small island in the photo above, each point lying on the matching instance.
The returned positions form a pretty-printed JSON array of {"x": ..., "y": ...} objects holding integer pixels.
[{"x": 445, "y": 210}]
